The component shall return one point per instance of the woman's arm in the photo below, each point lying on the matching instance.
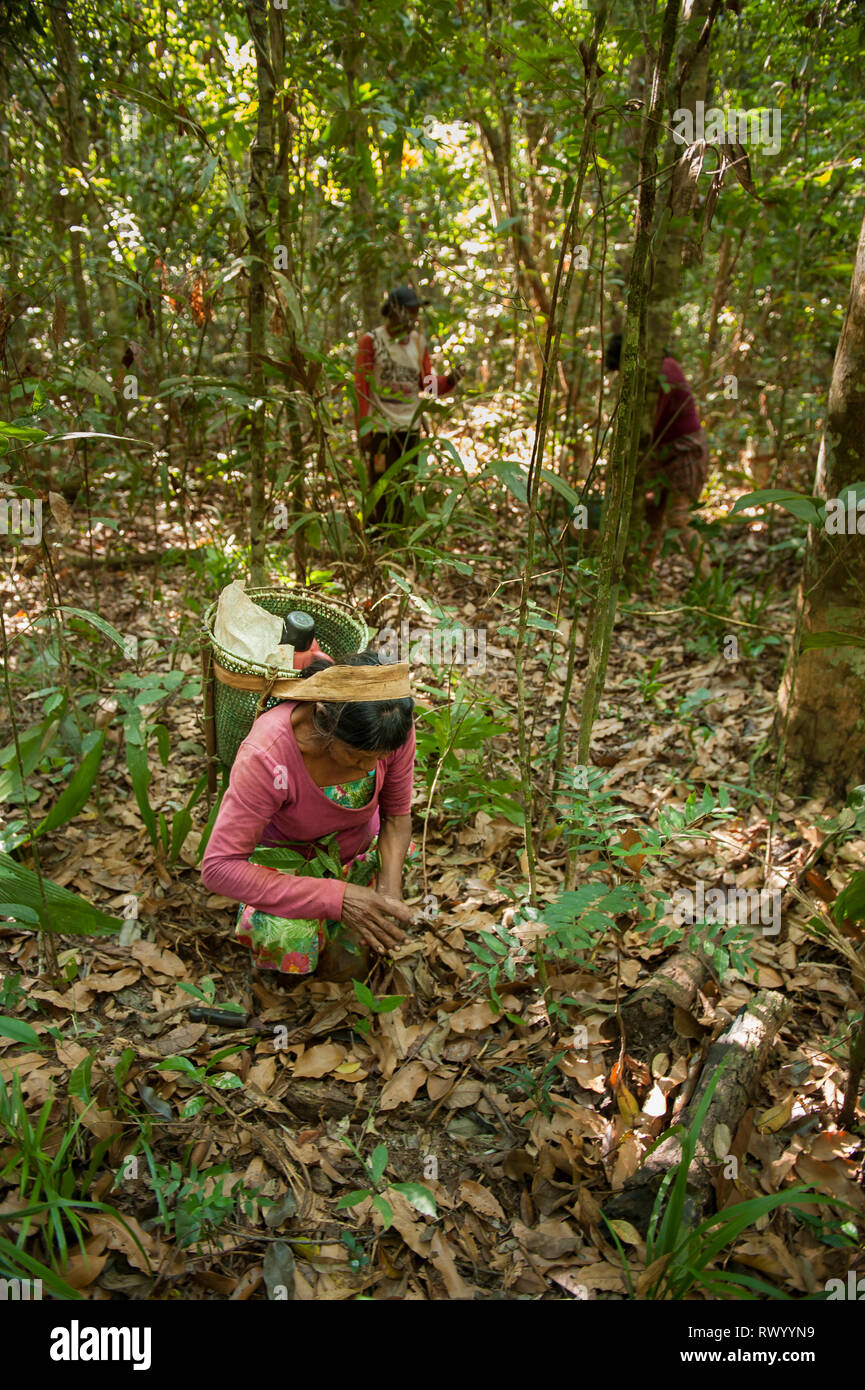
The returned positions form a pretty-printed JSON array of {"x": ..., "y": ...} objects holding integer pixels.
[
  {"x": 393, "y": 841},
  {"x": 363, "y": 369},
  {"x": 373, "y": 913},
  {"x": 443, "y": 384},
  {"x": 253, "y": 797}
]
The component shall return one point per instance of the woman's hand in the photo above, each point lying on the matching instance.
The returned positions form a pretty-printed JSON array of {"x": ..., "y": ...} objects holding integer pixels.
[{"x": 374, "y": 916}]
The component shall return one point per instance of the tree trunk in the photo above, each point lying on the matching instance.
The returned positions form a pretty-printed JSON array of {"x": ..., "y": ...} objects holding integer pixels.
[
  {"x": 561, "y": 291},
  {"x": 498, "y": 140},
  {"x": 293, "y": 273},
  {"x": 623, "y": 462},
  {"x": 726, "y": 261},
  {"x": 8, "y": 249},
  {"x": 687, "y": 88},
  {"x": 260, "y": 167},
  {"x": 823, "y": 689},
  {"x": 65, "y": 220},
  {"x": 75, "y": 150},
  {"x": 363, "y": 213}
]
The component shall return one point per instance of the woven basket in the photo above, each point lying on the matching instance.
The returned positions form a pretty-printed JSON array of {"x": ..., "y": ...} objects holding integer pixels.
[{"x": 230, "y": 712}]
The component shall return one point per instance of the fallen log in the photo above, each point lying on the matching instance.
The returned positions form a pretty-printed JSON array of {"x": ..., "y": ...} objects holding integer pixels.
[
  {"x": 312, "y": 1101},
  {"x": 648, "y": 1015},
  {"x": 743, "y": 1050}
]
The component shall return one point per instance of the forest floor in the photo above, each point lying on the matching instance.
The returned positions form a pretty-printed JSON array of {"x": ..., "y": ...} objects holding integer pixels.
[{"x": 519, "y": 1161}]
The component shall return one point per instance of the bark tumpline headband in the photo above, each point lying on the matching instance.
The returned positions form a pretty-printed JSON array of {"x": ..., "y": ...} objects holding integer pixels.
[{"x": 348, "y": 685}]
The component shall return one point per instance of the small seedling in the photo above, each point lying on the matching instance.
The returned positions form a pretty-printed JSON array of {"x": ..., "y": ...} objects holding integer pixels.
[
  {"x": 385, "y": 1005},
  {"x": 207, "y": 995},
  {"x": 12, "y": 994},
  {"x": 415, "y": 1193},
  {"x": 223, "y": 1081},
  {"x": 200, "y": 1205},
  {"x": 536, "y": 1088},
  {"x": 358, "y": 1257}
]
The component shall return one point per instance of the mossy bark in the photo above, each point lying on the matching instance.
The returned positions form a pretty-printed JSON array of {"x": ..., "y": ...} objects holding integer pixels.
[
  {"x": 260, "y": 169},
  {"x": 821, "y": 722},
  {"x": 75, "y": 150}
]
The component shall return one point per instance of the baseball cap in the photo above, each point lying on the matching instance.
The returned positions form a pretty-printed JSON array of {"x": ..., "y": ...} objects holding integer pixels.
[{"x": 406, "y": 297}]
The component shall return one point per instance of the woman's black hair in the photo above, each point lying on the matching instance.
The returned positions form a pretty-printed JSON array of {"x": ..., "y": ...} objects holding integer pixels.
[
  {"x": 370, "y": 726},
  {"x": 613, "y": 354}
]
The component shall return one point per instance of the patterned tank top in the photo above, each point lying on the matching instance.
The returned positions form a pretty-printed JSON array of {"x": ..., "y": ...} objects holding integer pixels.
[{"x": 352, "y": 795}]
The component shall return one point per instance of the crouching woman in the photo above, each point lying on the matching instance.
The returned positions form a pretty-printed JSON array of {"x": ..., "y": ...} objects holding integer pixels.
[{"x": 337, "y": 760}]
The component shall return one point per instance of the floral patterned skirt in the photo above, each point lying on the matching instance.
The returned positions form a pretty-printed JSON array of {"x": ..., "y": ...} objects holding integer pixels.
[{"x": 292, "y": 945}]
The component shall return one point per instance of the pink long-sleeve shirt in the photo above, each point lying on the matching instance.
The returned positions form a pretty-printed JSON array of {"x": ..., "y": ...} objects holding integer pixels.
[{"x": 271, "y": 799}]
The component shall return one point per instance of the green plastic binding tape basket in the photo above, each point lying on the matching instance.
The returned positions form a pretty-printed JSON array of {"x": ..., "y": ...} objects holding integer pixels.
[{"x": 229, "y": 713}]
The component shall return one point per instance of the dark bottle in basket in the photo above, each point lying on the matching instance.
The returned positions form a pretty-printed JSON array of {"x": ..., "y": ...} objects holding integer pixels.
[{"x": 298, "y": 631}]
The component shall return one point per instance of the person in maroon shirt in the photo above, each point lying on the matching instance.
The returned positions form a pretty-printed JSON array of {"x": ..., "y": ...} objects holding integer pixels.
[{"x": 675, "y": 473}]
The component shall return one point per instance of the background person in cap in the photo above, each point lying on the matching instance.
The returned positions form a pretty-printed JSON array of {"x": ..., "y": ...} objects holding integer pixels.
[
  {"x": 675, "y": 473},
  {"x": 392, "y": 368}
]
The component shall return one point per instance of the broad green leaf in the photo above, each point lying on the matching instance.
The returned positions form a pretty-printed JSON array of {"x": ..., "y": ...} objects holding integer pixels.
[
  {"x": 106, "y": 628},
  {"x": 363, "y": 994},
  {"x": 561, "y": 487},
  {"x": 352, "y": 1199},
  {"x": 419, "y": 1196},
  {"x": 494, "y": 943},
  {"x": 385, "y": 1209},
  {"x": 92, "y": 381},
  {"x": 32, "y": 744},
  {"x": 18, "y": 912},
  {"x": 512, "y": 475},
  {"x": 177, "y": 1064},
  {"x": 20, "y": 1031},
  {"x": 797, "y": 503},
  {"x": 121, "y": 1069},
  {"x": 79, "y": 1078},
  {"x": 289, "y": 861},
  {"x": 71, "y": 801},
  {"x": 485, "y": 956},
  {"x": 193, "y": 990},
  {"x": 136, "y": 761},
  {"x": 56, "y": 908},
  {"x": 378, "y": 1162},
  {"x": 849, "y": 906},
  {"x": 182, "y": 822},
  {"x": 812, "y": 640},
  {"x": 25, "y": 432},
  {"x": 388, "y": 1003},
  {"x": 226, "y": 1081}
]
